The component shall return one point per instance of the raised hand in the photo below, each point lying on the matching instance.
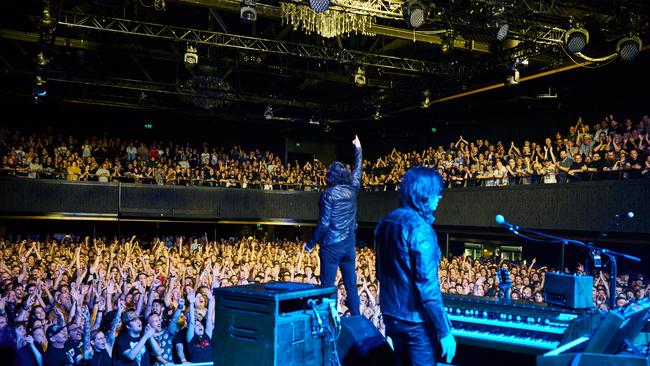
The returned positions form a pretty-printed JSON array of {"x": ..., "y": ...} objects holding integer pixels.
[
  {"x": 121, "y": 306},
  {"x": 356, "y": 142},
  {"x": 191, "y": 296},
  {"x": 111, "y": 288},
  {"x": 85, "y": 314},
  {"x": 101, "y": 304},
  {"x": 140, "y": 287},
  {"x": 155, "y": 284},
  {"x": 149, "y": 331}
]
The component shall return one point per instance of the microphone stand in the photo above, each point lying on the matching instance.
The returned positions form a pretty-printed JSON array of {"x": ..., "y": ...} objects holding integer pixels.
[{"x": 612, "y": 255}]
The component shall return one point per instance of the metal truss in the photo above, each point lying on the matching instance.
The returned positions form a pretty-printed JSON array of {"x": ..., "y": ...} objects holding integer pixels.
[
  {"x": 137, "y": 87},
  {"x": 217, "y": 39},
  {"x": 388, "y": 9}
]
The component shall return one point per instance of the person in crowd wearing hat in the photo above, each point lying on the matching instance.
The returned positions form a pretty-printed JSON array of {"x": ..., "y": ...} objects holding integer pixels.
[
  {"x": 59, "y": 352},
  {"x": 131, "y": 345}
]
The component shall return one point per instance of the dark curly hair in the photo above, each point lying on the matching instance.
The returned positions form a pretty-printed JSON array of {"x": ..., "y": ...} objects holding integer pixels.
[{"x": 337, "y": 174}]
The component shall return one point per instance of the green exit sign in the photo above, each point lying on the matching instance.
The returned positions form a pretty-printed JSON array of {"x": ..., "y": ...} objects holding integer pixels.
[
  {"x": 298, "y": 144},
  {"x": 434, "y": 130},
  {"x": 148, "y": 126}
]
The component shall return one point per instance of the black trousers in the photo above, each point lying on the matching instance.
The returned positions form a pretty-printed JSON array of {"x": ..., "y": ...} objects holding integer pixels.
[{"x": 341, "y": 254}]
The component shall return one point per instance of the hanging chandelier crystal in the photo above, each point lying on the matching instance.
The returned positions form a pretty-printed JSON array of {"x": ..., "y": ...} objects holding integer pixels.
[{"x": 329, "y": 23}]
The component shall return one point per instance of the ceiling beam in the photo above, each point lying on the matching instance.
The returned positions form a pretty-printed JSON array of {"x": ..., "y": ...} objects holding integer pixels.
[
  {"x": 273, "y": 12},
  {"x": 217, "y": 39}
]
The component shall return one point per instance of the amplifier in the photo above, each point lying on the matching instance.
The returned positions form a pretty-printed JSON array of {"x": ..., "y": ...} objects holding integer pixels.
[
  {"x": 271, "y": 325},
  {"x": 569, "y": 291}
]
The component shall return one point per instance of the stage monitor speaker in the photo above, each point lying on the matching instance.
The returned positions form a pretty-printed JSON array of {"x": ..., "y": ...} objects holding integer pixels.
[
  {"x": 568, "y": 291},
  {"x": 360, "y": 343},
  {"x": 271, "y": 324},
  {"x": 619, "y": 325}
]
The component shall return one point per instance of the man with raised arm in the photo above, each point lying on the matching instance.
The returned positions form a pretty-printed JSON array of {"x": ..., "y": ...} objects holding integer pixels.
[{"x": 337, "y": 224}]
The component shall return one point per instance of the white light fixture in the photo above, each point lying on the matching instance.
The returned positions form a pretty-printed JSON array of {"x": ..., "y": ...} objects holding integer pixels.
[
  {"x": 628, "y": 48},
  {"x": 268, "y": 113},
  {"x": 191, "y": 56},
  {"x": 414, "y": 13},
  {"x": 319, "y": 6},
  {"x": 360, "y": 77},
  {"x": 377, "y": 116},
  {"x": 502, "y": 30},
  {"x": 513, "y": 77},
  {"x": 426, "y": 103},
  {"x": 576, "y": 39},
  {"x": 247, "y": 12}
]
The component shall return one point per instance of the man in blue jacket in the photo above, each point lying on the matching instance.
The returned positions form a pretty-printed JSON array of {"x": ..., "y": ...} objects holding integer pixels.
[
  {"x": 337, "y": 224},
  {"x": 408, "y": 256}
]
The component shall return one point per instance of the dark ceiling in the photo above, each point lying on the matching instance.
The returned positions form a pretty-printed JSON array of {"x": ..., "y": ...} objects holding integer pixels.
[{"x": 130, "y": 54}]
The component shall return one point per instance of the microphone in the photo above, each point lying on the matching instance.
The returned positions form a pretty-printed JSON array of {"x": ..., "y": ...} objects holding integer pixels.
[
  {"x": 628, "y": 215},
  {"x": 333, "y": 312},
  {"x": 312, "y": 303},
  {"x": 502, "y": 221}
]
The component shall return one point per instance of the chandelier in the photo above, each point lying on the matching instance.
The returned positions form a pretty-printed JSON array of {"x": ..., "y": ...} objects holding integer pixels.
[{"x": 330, "y": 23}]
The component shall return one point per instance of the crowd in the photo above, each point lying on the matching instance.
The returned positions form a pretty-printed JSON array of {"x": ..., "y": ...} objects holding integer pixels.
[
  {"x": 102, "y": 301},
  {"x": 605, "y": 150}
]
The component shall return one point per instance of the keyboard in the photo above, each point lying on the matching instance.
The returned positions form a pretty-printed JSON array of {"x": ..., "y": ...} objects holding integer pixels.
[{"x": 516, "y": 326}]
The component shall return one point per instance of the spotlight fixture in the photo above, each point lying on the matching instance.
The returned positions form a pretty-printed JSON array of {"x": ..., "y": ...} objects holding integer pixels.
[
  {"x": 39, "y": 92},
  {"x": 414, "y": 13},
  {"x": 447, "y": 44},
  {"x": 268, "y": 113},
  {"x": 521, "y": 61},
  {"x": 247, "y": 12},
  {"x": 513, "y": 77},
  {"x": 326, "y": 127},
  {"x": 360, "y": 77},
  {"x": 426, "y": 103},
  {"x": 39, "y": 81},
  {"x": 191, "y": 57},
  {"x": 377, "y": 116},
  {"x": 47, "y": 21},
  {"x": 319, "y": 6},
  {"x": 41, "y": 60},
  {"x": 576, "y": 39},
  {"x": 502, "y": 29},
  {"x": 628, "y": 48}
]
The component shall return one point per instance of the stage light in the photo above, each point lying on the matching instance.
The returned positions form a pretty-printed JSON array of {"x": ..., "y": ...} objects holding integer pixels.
[
  {"x": 628, "y": 48},
  {"x": 576, "y": 39},
  {"x": 41, "y": 60},
  {"x": 513, "y": 77},
  {"x": 247, "y": 12},
  {"x": 268, "y": 112},
  {"x": 47, "y": 20},
  {"x": 191, "y": 56},
  {"x": 447, "y": 44},
  {"x": 426, "y": 103},
  {"x": 360, "y": 77},
  {"x": 40, "y": 81},
  {"x": 377, "y": 116},
  {"x": 414, "y": 13},
  {"x": 502, "y": 30},
  {"x": 319, "y": 6}
]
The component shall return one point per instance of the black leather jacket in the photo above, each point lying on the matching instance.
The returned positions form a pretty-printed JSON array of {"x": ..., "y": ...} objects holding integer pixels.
[
  {"x": 408, "y": 256},
  {"x": 338, "y": 209}
]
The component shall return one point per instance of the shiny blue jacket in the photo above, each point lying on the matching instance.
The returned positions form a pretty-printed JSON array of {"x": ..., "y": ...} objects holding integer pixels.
[
  {"x": 338, "y": 209},
  {"x": 408, "y": 256}
]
